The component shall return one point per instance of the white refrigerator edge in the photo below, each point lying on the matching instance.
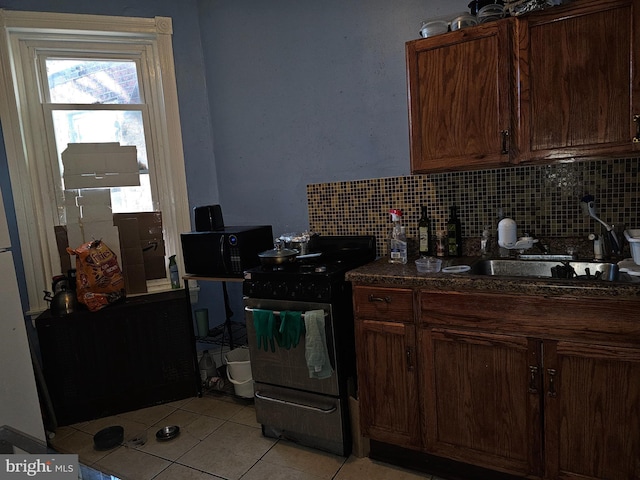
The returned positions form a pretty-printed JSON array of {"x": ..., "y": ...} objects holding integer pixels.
[{"x": 19, "y": 404}]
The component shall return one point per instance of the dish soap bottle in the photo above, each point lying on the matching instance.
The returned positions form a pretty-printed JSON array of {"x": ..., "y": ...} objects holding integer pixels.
[
  {"x": 454, "y": 234},
  {"x": 424, "y": 234},
  {"x": 397, "y": 239},
  {"x": 173, "y": 272}
]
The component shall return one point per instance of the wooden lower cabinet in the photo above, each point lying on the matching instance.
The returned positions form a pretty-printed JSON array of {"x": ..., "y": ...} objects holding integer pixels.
[
  {"x": 478, "y": 402},
  {"x": 532, "y": 386},
  {"x": 387, "y": 379},
  {"x": 591, "y": 411},
  {"x": 387, "y": 369}
]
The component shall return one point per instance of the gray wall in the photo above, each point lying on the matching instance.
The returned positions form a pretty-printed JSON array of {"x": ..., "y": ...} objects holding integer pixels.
[{"x": 305, "y": 92}]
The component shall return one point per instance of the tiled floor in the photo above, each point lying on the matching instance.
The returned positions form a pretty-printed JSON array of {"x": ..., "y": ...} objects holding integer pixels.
[{"x": 219, "y": 438}]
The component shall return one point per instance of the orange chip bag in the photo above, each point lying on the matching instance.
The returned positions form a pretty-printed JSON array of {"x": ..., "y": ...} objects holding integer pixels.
[{"x": 99, "y": 280}]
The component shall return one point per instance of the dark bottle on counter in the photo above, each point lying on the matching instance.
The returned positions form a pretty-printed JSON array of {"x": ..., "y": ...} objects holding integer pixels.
[
  {"x": 424, "y": 234},
  {"x": 454, "y": 234}
]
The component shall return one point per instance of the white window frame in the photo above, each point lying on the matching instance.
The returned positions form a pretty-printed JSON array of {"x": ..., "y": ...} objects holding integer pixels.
[{"x": 29, "y": 151}]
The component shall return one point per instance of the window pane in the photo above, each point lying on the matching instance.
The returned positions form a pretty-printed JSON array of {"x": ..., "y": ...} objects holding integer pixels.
[
  {"x": 93, "y": 81},
  {"x": 96, "y": 126},
  {"x": 133, "y": 199}
]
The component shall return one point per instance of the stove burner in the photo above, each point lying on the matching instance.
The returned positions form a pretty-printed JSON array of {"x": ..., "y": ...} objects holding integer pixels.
[{"x": 312, "y": 268}]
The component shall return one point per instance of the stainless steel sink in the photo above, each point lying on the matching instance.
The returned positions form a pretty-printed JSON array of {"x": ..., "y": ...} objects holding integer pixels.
[{"x": 574, "y": 269}]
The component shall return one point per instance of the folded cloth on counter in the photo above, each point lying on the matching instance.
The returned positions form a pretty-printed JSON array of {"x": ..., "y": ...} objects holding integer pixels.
[
  {"x": 291, "y": 327},
  {"x": 316, "y": 353},
  {"x": 264, "y": 324}
]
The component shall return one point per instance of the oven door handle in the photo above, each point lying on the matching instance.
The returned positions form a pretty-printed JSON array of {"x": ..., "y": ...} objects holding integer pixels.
[
  {"x": 275, "y": 312},
  {"x": 329, "y": 409}
]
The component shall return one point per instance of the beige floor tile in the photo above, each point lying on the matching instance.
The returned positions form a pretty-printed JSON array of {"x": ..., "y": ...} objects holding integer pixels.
[
  {"x": 246, "y": 416},
  {"x": 131, "y": 428},
  {"x": 199, "y": 426},
  {"x": 179, "y": 403},
  {"x": 168, "y": 449},
  {"x": 80, "y": 443},
  {"x": 180, "y": 472},
  {"x": 212, "y": 407},
  {"x": 229, "y": 452},
  {"x": 148, "y": 416},
  {"x": 320, "y": 464},
  {"x": 365, "y": 468},
  {"x": 265, "y": 470},
  {"x": 62, "y": 432},
  {"x": 131, "y": 464}
]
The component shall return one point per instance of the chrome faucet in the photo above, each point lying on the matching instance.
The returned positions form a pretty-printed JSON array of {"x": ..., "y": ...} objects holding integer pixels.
[{"x": 611, "y": 242}]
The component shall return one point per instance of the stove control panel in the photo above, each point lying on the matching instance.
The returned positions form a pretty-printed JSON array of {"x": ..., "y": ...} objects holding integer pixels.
[{"x": 306, "y": 290}]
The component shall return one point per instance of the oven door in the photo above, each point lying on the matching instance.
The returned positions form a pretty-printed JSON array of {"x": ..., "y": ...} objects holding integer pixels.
[{"x": 288, "y": 368}]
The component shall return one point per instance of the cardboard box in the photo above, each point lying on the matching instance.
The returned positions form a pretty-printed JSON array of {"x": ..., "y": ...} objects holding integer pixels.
[
  {"x": 132, "y": 261},
  {"x": 94, "y": 204},
  {"x": 100, "y": 165},
  {"x": 149, "y": 240},
  {"x": 83, "y": 232}
]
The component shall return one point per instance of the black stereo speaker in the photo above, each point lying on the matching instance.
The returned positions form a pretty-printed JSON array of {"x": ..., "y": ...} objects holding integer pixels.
[{"x": 208, "y": 218}]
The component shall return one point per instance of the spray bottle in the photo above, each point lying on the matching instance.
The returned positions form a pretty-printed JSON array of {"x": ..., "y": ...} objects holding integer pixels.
[
  {"x": 173, "y": 272},
  {"x": 397, "y": 239}
]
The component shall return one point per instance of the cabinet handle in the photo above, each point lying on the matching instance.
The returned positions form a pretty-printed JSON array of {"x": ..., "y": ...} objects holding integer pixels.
[
  {"x": 636, "y": 120},
  {"x": 409, "y": 353},
  {"x": 552, "y": 385},
  {"x": 505, "y": 141},
  {"x": 379, "y": 299},
  {"x": 533, "y": 379}
]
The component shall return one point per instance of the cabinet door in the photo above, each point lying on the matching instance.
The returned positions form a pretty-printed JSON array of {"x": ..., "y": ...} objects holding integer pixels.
[
  {"x": 387, "y": 382},
  {"x": 482, "y": 399},
  {"x": 592, "y": 411},
  {"x": 460, "y": 97},
  {"x": 578, "y": 90}
]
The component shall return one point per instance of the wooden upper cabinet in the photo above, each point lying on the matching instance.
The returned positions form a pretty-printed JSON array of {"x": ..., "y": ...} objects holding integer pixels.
[
  {"x": 576, "y": 71},
  {"x": 460, "y": 96},
  {"x": 557, "y": 84}
]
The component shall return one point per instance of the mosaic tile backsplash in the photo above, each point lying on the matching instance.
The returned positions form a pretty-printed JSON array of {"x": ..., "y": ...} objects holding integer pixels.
[{"x": 543, "y": 200}]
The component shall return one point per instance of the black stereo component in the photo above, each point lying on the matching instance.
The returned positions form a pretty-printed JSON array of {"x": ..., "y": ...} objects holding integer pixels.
[
  {"x": 227, "y": 252},
  {"x": 208, "y": 218}
]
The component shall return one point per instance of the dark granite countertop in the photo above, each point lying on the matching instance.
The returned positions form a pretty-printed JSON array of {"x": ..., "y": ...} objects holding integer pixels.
[{"x": 382, "y": 273}]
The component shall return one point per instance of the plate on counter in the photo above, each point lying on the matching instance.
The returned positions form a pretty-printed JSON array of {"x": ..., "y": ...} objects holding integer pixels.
[{"x": 456, "y": 269}]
